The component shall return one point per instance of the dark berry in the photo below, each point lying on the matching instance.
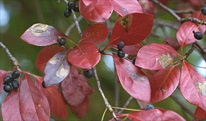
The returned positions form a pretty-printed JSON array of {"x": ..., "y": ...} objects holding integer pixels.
[
  {"x": 88, "y": 73},
  {"x": 198, "y": 35},
  {"x": 7, "y": 88},
  {"x": 15, "y": 84},
  {"x": 76, "y": 8},
  {"x": 148, "y": 107},
  {"x": 133, "y": 61},
  {"x": 67, "y": 12},
  {"x": 7, "y": 80},
  {"x": 120, "y": 53},
  {"x": 203, "y": 10},
  {"x": 62, "y": 42},
  {"x": 15, "y": 74},
  {"x": 43, "y": 84},
  {"x": 120, "y": 45},
  {"x": 71, "y": 4}
]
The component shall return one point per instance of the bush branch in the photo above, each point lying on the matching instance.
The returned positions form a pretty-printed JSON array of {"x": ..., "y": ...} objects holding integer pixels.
[{"x": 126, "y": 104}]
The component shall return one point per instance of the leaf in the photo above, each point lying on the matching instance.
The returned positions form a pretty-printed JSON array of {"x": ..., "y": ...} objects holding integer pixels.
[
  {"x": 132, "y": 28},
  {"x": 2, "y": 76},
  {"x": 75, "y": 88},
  {"x": 46, "y": 54},
  {"x": 84, "y": 56},
  {"x": 193, "y": 86},
  {"x": 95, "y": 34},
  {"x": 97, "y": 11},
  {"x": 41, "y": 35},
  {"x": 147, "y": 6},
  {"x": 10, "y": 107},
  {"x": 132, "y": 79},
  {"x": 55, "y": 99},
  {"x": 164, "y": 83},
  {"x": 56, "y": 69},
  {"x": 201, "y": 17},
  {"x": 185, "y": 33},
  {"x": 199, "y": 114},
  {"x": 33, "y": 104},
  {"x": 81, "y": 109},
  {"x": 123, "y": 7},
  {"x": 155, "y": 56}
]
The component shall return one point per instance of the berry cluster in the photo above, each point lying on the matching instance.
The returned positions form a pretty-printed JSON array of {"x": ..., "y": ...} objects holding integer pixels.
[
  {"x": 148, "y": 107},
  {"x": 71, "y": 5},
  {"x": 120, "y": 52},
  {"x": 10, "y": 82},
  {"x": 62, "y": 42}
]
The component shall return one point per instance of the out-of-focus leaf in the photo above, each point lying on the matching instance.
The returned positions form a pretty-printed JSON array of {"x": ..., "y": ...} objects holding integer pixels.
[
  {"x": 41, "y": 35},
  {"x": 132, "y": 79},
  {"x": 147, "y": 6},
  {"x": 155, "y": 56},
  {"x": 85, "y": 56},
  {"x": 199, "y": 114},
  {"x": 46, "y": 54},
  {"x": 57, "y": 69},
  {"x": 2, "y": 76},
  {"x": 164, "y": 83}
]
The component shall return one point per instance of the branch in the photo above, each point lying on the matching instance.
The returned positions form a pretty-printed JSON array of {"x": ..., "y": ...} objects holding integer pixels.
[
  {"x": 126, "y": 104},
  {"x": 102, "y": 93},
  {"x": 202, "y": 50},
  {"x": 72, "y": 26},
  {"x": 174, "y": 26},
  {"x": 116, "y": 87},
  {"x": 12, "y": 58}
]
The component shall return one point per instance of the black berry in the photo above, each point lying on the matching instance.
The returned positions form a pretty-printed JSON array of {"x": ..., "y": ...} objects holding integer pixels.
[
  {"x": 7, "y": 88},
  {"x": 203, "y": 10},
  {"x": 62, "y": 42},
  {"x": 15, "y": 84},
  {"x": 15, "y": 74},
  {"x": 148, "y": 107},
  {"x": 7, "y": 80},
  {"x": 43, "y": 84},
  {"x": 120, "y": 45},
  {"x": 198, "y": 35},
  {"x": 133, "y": 61},
  {"x": 120, "y": 53},
  {"x": 76, "y": 8},
  {"x": 71, "y": 5},
  {"x": 67, "y": 12},
  {"x": 88, "y": 73}
]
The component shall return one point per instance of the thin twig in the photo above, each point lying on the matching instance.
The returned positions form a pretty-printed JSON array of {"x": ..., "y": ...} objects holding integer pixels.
[
  {"x": 116, "y": 87},
  {"x": 202, "y": 50},
  {"x": 72, "y": 26},
  {"x": 126, "y": 104},
  {"x": 139, "y": 103},
  {"x": 12, "y": 58},
  {"x": 102, "y": 93},
  {"x": 174, "y": 26},
  {"x": 183, "y": 11}
]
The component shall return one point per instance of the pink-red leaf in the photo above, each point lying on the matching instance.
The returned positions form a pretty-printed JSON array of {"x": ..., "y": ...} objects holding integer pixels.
[
  {"x": 155, "y": 56},
  {"x": 41, "y": 35},
  {"x": 55, "y": 99},
  {"x": 2, "y": 76},
  {"x": 185, "y": 33},
  {"x": 164, "y": 83},
  {"x": 132, "y": 79},
  {"x": 85, "y": 56},
  {"x": 10, "y": 107},
  {"x": 199, "y": 114},
  {"x": 95, "y": 34},
  {"x": 132, "y": 28},
  {"x": 33, "y": 104},
  {"x": 201, "y": 17},
  {"x": 46, "y": 54},
  {"x": 193, "y": 86},
  {"x": 75, "y": 87},
  {"x": 95, "y": 10},
  {"x": 57, "y": 69},
  {"x": 81, "y": 109}
]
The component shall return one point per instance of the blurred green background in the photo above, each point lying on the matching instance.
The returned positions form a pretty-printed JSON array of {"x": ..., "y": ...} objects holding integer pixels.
[{"x": 18, "y": 15}]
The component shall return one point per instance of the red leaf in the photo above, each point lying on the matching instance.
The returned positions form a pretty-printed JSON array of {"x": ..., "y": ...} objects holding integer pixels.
[
  {"x": 132, "y": 28},
  {"x": 95, "y": 34},
  {"x": 132, "y": 79},
  {"x": 199, "y": 114},
  {"x": 85, "y": 56},
  {"x": 164, "y": 83},
  {"x": 185, "y": 33},
  {"x": 132, "y": 49},
  {"x": 41, "y": 35},
  {"x": 155, "y": 56},
  {"x": 46, "y": 54},
  {"x": 147, "y": 6},
  {"x": 10, "y": 107},
  {"x": 57, "y": 69},
  {"x": 193, "y": 86},
  {"x": 201, "y": 17},
  {"x": 75, "y": 87},
  {"x": 33, "y": 104},
  {"x": 97, "y": 11},
  {"x": 55, "y": 99},
  {"x": 124, "y": 7},
  {"x": 81, "y": 109},
  {"x": 2, "y": 75}
]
